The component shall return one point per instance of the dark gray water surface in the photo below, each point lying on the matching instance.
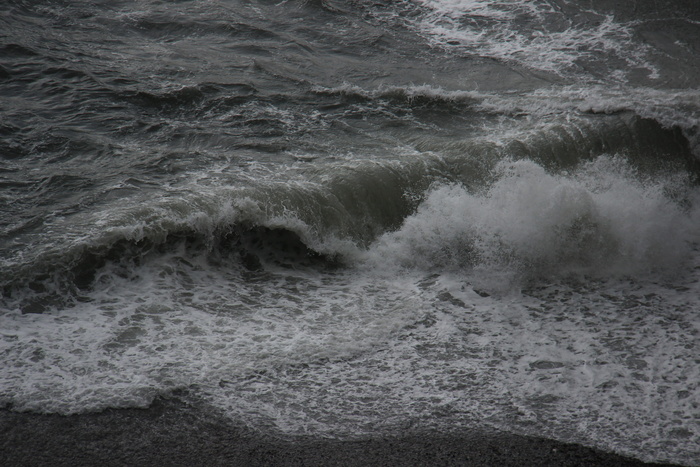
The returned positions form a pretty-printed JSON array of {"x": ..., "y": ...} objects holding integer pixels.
[{"x": 345, "y": 219}]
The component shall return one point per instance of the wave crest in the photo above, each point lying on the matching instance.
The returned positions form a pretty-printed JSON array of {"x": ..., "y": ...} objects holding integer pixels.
[{"x": 601, "y": 219}]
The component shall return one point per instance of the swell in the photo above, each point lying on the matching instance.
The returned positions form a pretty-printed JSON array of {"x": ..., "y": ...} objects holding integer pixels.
[
  {"x": 416, "y": 96},
  {"x": 205, "y": 96},
  {"x": 173, "y": 28},
  {"x": 324, "y": 213}
]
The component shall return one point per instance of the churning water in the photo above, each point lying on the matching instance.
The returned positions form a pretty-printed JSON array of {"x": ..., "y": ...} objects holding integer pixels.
[{"x": 357, "y": 218}]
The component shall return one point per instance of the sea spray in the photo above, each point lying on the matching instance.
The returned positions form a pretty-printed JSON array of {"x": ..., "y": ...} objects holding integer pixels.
[{"x": 601, "y": 219}]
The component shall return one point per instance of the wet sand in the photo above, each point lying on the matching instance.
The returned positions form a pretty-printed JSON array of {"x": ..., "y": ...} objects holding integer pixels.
[{"x": 171, "y": 433}]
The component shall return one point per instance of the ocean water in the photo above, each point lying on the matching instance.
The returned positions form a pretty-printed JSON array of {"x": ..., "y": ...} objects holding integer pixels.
[{"x": 360, "y": 218}]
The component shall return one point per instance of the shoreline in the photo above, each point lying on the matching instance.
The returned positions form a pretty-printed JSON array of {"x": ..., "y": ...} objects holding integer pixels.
[{"x": 173, "y": 433}]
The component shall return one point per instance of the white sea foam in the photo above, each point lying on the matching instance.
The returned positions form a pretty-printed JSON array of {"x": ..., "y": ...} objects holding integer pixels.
[
  {"x": 670, "y": 107},
  {"x": 533, "y": 33},
  {"x": 600, "y": 220},
  {"x": 408, "y": 336},
  {"x": 178, "y": 320}
]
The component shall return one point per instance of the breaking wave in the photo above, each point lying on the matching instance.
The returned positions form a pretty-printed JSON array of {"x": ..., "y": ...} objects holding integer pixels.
[{"x": 598, "y": 195}]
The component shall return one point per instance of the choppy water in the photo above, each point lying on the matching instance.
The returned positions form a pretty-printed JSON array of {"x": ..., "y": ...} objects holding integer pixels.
[{"x": 357, "y": 218}]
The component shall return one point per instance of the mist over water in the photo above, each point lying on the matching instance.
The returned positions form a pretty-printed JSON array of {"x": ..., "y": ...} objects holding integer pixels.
[{"x": 356, "y": 219}]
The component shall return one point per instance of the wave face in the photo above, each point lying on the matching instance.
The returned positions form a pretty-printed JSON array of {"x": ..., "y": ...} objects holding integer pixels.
[
  {"x": 607, "y": 205},
  {"x": 353, "y": 219}
]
